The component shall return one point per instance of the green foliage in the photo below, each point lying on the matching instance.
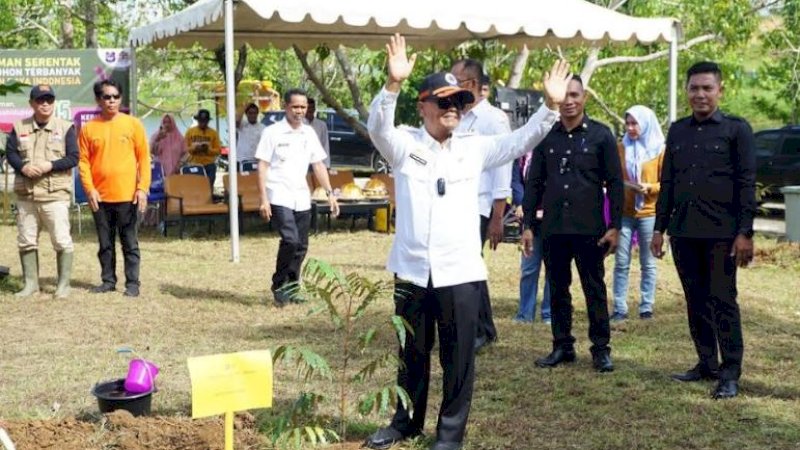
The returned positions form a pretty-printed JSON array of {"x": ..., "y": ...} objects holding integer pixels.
[
  {"x": 285, "y": 432},
  {"x": 308, "y": 363},
  {"x": 12, "y": 87},
  {"x": 345, "y": 298},
  {"x": 779, "y": 74},
  {"x": 622, "y": 85}
]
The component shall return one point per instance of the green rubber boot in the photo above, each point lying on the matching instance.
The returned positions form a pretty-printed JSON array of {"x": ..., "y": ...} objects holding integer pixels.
[
  {"x": 30, "y": 271},
  {"x": 64, "y": 263}
]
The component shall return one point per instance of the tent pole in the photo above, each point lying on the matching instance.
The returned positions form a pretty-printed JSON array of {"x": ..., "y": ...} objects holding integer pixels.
[
  {"x": 230, "y": 106},
  {"x": 673, "y": 74},
  {"x": 133, "y": 88}
]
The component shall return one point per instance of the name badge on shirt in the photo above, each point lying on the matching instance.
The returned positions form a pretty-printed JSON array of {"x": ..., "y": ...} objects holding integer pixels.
[
  {"x": 24, "y": 137},
  {"x": 418, "y": 159},
  {"x": 56, "y": 137}
]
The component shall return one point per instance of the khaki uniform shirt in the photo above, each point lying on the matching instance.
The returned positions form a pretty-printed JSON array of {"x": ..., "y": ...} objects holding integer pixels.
[{"x": 37, "y": 145}]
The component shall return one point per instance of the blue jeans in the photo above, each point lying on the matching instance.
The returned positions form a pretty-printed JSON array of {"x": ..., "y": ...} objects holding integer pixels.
[
  {"x": 529, "y": 285},
  {"x": 622, "y": 263}
]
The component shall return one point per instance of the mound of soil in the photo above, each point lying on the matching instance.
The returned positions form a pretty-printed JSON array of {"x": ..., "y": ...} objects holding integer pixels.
[{"x": 121, "y": 431}]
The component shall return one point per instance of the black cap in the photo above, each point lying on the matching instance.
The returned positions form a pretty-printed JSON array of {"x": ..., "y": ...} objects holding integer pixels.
[
  {"x": 42, "y": 90},
  {"x": 251, "y": 106},
  {"x": 443, "y": 84},
  {"x": 202, "y": 115}
]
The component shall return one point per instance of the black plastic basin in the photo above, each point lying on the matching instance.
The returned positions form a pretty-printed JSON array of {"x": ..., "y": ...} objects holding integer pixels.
[{"x": 111, "y": 396}]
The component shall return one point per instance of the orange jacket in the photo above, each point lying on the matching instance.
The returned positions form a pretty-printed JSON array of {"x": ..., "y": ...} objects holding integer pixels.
[
  {"x": 115, "y": 158},
  {"x": 651, "y": 175}
]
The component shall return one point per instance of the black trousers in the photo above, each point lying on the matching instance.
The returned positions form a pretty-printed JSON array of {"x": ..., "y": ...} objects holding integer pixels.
[
  {"x": 486, "y": 326},
  {"x": 708, "y": 276},
  {"x": 110, "y": 219},
  {"x": 293, "y": 228},
  {"x": 559, "y": 251},
  {"x": 454, "y": 311}
]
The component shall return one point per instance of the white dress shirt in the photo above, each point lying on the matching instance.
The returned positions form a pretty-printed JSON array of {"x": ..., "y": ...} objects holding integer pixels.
[
  {"x": 484, "y": 119},
  {"x": 322, "y": 132},
  {"x": 436, "y": 234},
  {"x": 247, "y": 139},
  {"x": 289, "y": 151}
]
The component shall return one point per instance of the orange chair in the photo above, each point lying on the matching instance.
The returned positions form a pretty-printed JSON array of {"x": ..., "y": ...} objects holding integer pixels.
[
  {"x": 249, "y": 192},
  {"x": 189, "y": 198}
]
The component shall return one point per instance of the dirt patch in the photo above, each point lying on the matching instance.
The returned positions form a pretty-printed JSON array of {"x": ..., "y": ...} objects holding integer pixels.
[
  {"x": 121, "y": 431},
  {"x": 784, "y": 255}
]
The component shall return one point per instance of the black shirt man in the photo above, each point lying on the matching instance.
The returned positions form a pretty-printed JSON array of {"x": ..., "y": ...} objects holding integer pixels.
[
  {"x": 567, "y": 175},
  {"x": 707, "y": 204}
]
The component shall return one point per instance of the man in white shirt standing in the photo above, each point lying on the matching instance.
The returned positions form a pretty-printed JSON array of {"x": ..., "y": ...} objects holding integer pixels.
[
  {"x": 248, "y": 134},
  {"x": 284, "y": 153},
  {"x": 435, "y": 256},
  {"x": 320, "y": 128},
  {"x": 483, "y": 119}
]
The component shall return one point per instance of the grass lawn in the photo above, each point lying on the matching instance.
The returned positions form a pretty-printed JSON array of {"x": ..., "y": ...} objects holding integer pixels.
[{"x": 195, "y": 302}]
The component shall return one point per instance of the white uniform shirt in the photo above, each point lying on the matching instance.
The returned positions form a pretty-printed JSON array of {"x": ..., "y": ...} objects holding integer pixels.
[
  {"x": 247, "y": 139},
  {"x": 486, "y": 120},
  {"x": 289, "y": 151},
  {"x": 322, "y": 132},
  {"x": 436, "y": 234}
]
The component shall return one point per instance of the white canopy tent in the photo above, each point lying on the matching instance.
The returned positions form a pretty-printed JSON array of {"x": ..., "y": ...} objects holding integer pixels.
[{"x": 439, "y": 24}]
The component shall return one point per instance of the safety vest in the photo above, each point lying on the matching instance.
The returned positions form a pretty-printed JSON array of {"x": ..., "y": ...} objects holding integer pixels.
[{"x": 38, "y": 145}]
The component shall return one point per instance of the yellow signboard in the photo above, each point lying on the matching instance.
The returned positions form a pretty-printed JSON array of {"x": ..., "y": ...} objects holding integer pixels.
[{"x": 230, "y": 382}]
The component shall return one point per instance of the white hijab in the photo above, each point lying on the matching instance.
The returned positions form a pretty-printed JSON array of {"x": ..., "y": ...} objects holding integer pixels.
[{"x": 647, "y": 147}]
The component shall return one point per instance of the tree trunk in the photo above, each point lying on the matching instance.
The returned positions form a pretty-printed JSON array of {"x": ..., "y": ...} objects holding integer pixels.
[
  {"x": 590, "y": 65},
  {"x": 241, "y": 63},
  {"x": 329, "y": 99},
  {"x": 67, "y": 29},
  {"x": 350, "y": 77},
  {"x": 518, "y": 68},
  {"x": 90, "y": 16}
]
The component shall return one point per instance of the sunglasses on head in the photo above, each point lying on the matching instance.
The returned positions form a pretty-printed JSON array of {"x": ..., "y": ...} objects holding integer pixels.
[
  {"x": 48, "y": 99},
  {"x": 446, "y": 103},
  {"x": 110, "y": 96}
]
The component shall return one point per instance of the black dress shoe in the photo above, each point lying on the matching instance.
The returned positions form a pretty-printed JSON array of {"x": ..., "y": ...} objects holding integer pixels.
[
  {"x": 281, "y": 298},
  {"x": 103, "y": 288},
  {"x": 482, "y": 342},
  {"x": 556, "y": 357},
  {"x": 386, "y": 437},
  {"x": 131, "y": 291},
  {"x": 696, "y": 373},
  {"x": 726, "y": 389},
  {"x": 441, "y": 445},
  {"x": 601, "y": 361}
]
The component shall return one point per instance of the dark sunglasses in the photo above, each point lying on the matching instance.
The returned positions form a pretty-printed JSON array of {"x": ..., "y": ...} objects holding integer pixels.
[
  {"x": 47, "y": 99},
  {"x": 110, "y": 96},
  {"x": 446, "y": 103}
]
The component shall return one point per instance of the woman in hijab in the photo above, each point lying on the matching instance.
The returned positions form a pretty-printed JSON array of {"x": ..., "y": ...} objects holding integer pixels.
[
  {"x": 641, "y": 154},
  {"x": 167, "y": 145}
]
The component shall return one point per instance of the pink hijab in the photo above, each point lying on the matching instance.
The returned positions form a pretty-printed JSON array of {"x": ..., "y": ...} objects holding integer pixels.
[{"x": 170, "y": 148}]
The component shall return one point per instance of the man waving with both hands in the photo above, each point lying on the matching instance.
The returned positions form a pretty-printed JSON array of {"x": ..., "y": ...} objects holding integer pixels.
[{"x": 436, "y": 257}]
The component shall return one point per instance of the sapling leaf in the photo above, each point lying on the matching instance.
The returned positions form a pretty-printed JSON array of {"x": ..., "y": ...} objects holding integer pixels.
[
  {"x": 312, "y": 435},
  {"x": 405, "y": 400}
]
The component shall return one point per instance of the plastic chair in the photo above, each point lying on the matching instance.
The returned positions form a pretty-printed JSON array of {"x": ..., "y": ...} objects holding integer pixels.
[
  {"x": 79, "y": 197},
  {"x": 156, "y": 195},
  {"x": 193, "y": 170},
  {"x": 250, "y": 165}
]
